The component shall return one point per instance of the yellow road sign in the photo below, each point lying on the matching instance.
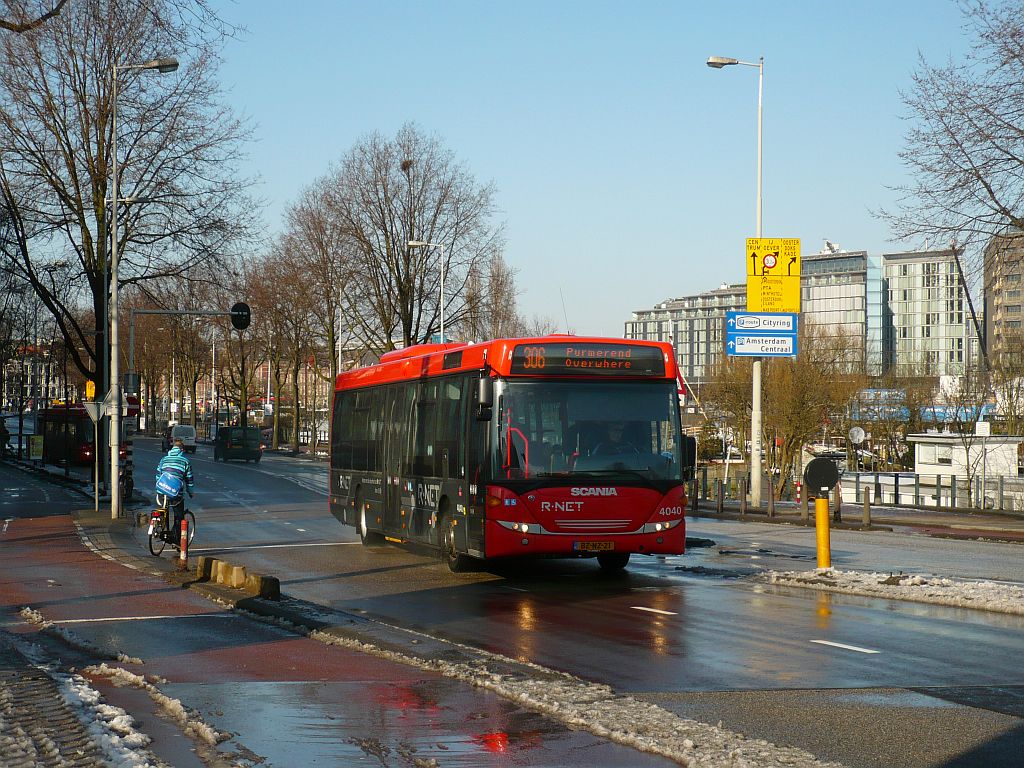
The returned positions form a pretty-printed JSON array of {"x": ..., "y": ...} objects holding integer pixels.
[
  {"x": 90, "y": 389},
  {"x": 773, "y": 274}
]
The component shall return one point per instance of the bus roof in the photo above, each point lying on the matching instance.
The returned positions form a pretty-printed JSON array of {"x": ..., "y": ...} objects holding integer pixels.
[{"x": 557, "y": 355}]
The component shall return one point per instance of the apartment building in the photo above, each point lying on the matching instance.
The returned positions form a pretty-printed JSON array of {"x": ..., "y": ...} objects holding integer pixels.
[
  {"x": 930, "y": 329},
  {"x": 1003, "y": 300}
]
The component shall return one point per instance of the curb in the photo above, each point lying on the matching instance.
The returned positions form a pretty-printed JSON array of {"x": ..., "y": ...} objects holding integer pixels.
[{"x": 237, "y": 577}]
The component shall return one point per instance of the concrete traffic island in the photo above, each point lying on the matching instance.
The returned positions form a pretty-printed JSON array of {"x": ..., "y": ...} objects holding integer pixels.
[{"x": 237, "y": 577}]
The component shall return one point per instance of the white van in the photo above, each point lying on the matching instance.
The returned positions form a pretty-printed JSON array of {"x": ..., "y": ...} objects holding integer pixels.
[{"x": 184, "y": 432}]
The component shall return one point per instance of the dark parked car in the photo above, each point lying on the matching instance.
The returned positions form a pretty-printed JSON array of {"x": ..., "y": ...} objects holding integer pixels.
[{"x": 231, "y": 444}]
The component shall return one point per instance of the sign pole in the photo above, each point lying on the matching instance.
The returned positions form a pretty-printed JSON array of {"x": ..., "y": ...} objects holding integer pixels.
[{"x": 96, "y": 464}]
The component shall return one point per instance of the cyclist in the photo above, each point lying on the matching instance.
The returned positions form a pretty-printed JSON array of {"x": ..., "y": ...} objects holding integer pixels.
[{"x": 173, "y": 478}]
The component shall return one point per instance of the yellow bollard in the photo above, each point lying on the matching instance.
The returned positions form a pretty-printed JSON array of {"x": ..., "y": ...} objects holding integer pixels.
[{"x": 821, "y": 529}]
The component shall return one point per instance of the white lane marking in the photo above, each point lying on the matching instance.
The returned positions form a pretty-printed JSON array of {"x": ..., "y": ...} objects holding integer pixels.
[
  {"x": 847, "y": 647},
  {"x": 517, "y": 589},
  {"x": 273, "y": 546},
  {"x": 147, "y": 618},
  {"x": 653, "y": 610}
]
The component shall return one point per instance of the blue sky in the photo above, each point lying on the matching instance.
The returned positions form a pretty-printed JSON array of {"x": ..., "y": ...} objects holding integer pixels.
[{"x": 624, "y": 166}]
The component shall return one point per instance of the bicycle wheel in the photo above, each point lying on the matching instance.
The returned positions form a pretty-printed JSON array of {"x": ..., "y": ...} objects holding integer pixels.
[{"x": 157, "y": 542}]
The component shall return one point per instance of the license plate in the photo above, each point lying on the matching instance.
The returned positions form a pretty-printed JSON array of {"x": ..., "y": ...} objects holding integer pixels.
[{"x": 593, "y": 546}]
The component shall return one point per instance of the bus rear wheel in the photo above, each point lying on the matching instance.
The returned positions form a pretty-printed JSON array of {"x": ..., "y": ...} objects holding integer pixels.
[
  {"x": 457, "y": 562},
  {"x": 366, "y": 536},
  {"x": 613, "y": 561}
]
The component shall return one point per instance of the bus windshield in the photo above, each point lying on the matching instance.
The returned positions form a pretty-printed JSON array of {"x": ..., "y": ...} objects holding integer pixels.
[{"x": 552, "y": 428}]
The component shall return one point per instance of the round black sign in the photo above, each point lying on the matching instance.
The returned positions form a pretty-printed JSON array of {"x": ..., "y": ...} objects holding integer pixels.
[
  {"x": 821, "y": 476},
  {"x": 241, "y": 315}
]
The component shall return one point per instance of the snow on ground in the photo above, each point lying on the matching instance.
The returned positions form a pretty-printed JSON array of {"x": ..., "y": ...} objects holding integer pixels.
[
  {"x": 111, "y": 729},
  {"x": 922, "y": 588}
]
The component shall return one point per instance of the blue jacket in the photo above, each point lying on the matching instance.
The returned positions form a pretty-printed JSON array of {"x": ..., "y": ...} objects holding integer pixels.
[{"x": 175, "y": 460}]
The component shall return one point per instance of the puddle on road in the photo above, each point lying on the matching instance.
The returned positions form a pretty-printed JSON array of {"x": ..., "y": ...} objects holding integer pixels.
[
  {"x": 390, "y": 723},
  {"x": 893, "y": 699},
  {"x": 760, "y": 552}
]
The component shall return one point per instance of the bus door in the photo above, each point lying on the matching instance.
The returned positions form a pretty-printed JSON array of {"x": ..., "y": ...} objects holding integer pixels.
[{"x": 397, "y": 461}]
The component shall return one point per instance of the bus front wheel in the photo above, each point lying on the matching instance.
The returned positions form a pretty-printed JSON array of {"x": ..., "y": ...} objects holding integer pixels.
[{"x": 613, "y": 561}]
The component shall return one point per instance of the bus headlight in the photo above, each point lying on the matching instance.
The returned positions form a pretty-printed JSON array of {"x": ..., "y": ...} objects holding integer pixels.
[
  {"x": 520, "y": 527},
  {"x": 661, "y": 526}
]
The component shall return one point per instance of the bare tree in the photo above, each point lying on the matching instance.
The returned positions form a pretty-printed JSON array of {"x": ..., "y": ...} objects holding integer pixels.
[
  {"x": 19, "y": 16},
  {"x": 490, "y": 302},
  {"x": 178, "y": 149},
  {"x": 965, "y": 147},
  {"x": 317, "y": 240},
  {"x": 388, "y": 192},
  {"x": 803, "y": 393},
  {"x": 959, "y": 403},
  {"x": 1007, "y": 380},
  {"x": 800, "y": 394}
]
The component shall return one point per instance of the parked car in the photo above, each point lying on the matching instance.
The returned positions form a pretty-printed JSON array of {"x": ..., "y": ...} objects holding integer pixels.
[
  {"x": 232, "y": 444},
  {"x": 185, "y": 432}
]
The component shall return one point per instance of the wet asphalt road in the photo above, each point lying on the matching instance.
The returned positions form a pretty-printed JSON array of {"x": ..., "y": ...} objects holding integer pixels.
[{"x": 713, "y": 645}]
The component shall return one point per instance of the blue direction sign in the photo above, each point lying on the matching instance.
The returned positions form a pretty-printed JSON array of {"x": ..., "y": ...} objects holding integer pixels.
[{"x": 761, "y": 334}]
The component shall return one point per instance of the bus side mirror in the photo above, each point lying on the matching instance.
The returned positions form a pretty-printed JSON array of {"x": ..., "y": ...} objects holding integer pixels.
[
  {"x": 689, "y": 447},
  {"x": 484, "y": 398}
]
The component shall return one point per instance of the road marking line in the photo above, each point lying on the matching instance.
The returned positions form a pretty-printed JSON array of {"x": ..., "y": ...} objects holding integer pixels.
[
  {"x": 273, "y": 546},
  {"x": 147, "y": 618},
  {"x": 847, "y": 647},
  {"x": 653, "y": 610}
]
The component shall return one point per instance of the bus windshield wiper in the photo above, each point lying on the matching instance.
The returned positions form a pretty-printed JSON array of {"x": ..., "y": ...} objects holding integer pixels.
[{"x": 612, "y": 471}]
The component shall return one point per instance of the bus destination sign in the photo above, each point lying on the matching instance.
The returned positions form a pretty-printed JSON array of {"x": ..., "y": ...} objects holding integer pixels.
[{"x": 587, "y": 359}]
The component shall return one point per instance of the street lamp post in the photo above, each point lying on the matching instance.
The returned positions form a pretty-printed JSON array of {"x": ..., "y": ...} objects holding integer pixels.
[
  {"x": 718, "y": 62},
  {"x": 162, "y": 65},
  {"x": 422, "y": 244}
]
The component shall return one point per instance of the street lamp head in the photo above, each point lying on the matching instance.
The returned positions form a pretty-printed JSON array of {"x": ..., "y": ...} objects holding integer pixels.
[
  {"x": 717, "y": 62},
  {"x": 416, "y": 243},
  {"x": 162, "y": 65}
]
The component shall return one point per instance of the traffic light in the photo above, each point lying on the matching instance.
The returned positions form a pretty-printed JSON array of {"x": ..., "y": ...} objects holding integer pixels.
[{"x": 241, "y": 315}]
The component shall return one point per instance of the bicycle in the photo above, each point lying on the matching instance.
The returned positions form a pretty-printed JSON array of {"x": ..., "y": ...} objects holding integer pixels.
[
  {"x": 160, "y": 535},
  {"x": 127, "y": 486}
]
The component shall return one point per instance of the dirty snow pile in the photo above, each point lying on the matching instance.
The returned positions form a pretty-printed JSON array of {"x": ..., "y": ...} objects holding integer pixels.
[{"x": 923, "y": 588}]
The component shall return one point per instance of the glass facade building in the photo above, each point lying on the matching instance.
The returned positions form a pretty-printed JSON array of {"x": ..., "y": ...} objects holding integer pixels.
[
  {"x": 840, "y": 290},
  {"x": 931, "y": 331}
]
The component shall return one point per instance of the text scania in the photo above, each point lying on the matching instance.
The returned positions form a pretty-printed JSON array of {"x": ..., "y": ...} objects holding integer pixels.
[{"x": 594, "y": 491}]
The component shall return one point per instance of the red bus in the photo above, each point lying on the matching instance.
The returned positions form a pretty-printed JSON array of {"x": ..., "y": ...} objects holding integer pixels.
[
  {"x": 554, "y": 446},
  {"x": 67, "y": 432}
]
